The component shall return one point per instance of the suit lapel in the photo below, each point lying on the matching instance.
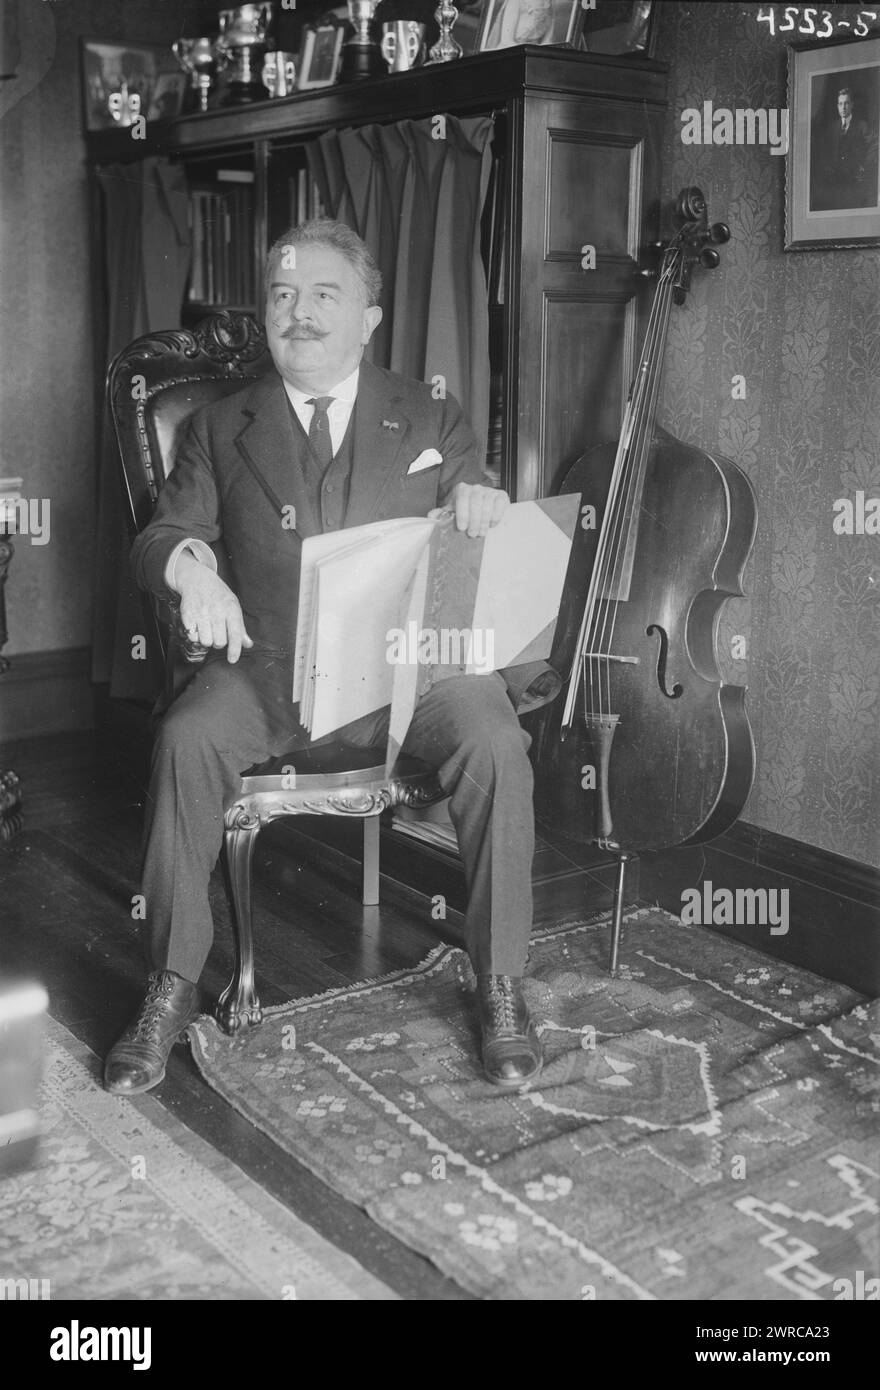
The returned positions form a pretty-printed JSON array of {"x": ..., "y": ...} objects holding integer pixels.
[
  {"x": 268, "y": 446},
  {"x": 380, "y": 430}
]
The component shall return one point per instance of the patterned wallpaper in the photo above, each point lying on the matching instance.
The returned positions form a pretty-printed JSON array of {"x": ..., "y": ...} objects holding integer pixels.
[
  {"x": 50, "y": 387},
  {"x": 803, "y": 328}
]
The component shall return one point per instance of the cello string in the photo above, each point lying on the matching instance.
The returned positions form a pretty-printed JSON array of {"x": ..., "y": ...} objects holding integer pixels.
[
  {"x": 623, "y": 503},
  {"x": 642, "y": 442},
  {"x": 587, "y": 634},
  {"x": 615, "y": 512},
  {"x": 597, "y": 604},
  {"x": 635, "y": 478}
]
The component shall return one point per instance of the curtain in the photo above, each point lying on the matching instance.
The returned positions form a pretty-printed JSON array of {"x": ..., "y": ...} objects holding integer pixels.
[
  {"x": 147, "y": 240},
  {"x": 415, "y": 192}
]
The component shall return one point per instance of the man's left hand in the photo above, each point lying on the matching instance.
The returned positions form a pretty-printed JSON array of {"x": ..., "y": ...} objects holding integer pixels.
[{"x": 478, "y": 507}]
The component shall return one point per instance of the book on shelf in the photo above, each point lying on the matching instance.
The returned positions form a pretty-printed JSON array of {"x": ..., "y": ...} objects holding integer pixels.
[
  {"x": 221, "y": 222},
  {"x": 303, "y": 197},
  {"x": 388, "y": 609}
]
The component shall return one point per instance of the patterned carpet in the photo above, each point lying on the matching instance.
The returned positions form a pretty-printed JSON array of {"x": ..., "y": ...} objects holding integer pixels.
[
  {"x": 705, "y": 1126},
  {"x": 125, "y": 1202}
]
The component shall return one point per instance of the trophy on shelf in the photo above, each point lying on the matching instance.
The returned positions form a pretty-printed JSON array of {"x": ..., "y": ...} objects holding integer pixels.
[
  {"x": 241, "y": 46},
  {"x": 403, "y": 44},
  {"x": 124, "y": 106},
  {"x": 446, "y": 48},
  {"x": 360, "y": 53},
  {"x": 279, "y": 73},
  {"x": 197, "y": 57}
]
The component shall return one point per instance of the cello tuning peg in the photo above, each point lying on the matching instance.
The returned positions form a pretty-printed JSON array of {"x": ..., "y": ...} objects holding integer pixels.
[
  {"x": 709, "y": 259},
  {"x": 719, "y": 232}
]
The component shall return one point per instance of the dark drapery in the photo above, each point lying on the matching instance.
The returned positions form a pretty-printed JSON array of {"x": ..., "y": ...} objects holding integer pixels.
[
  {"x": 415, "y": 192},
  {"x": 147, "y": 239}
]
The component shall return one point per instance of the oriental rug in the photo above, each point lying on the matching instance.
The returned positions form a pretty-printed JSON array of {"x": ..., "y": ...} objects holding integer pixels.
[
  {"x": 124, "y": 1202},
  {"x": 705, "y": 1126}
]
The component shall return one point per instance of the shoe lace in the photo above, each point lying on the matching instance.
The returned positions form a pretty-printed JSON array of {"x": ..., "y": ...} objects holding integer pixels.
[
  {"x": 153, "y": 1008},
  {"x": 503, "y": 1002}
]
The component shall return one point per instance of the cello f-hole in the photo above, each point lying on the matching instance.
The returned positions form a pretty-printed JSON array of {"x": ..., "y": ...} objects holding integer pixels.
[{"x": 677, "y": 690}]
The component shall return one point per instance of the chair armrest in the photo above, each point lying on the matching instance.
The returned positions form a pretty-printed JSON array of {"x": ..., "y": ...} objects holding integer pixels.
[{"x": 191, "y": 651}]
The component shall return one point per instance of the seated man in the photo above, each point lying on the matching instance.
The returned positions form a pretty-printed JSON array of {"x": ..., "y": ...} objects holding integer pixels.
[{"x": 321, "y": 443}]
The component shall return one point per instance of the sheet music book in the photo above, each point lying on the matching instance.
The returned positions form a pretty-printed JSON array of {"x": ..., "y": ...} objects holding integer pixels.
[{"x": 388, "y": 609}]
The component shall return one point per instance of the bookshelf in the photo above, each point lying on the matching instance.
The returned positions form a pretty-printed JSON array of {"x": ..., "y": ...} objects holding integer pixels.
[{"x": 576, "y": 162}]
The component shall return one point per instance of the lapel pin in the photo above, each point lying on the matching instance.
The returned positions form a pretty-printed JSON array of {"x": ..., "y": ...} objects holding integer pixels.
[{"x": 390, "y": 425}]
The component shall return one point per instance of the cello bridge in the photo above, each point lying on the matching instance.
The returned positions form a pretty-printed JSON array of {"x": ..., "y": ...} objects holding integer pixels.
[{"x": 609, "y": 656}]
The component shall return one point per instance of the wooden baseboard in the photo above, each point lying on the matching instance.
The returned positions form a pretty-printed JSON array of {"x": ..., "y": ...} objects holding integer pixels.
[
  {"x": 46, "y": 693},
  {"x": 833, "y": 903}
]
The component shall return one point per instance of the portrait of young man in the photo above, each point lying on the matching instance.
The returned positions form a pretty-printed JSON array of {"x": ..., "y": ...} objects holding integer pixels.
[{"x": 844, "y": 162}]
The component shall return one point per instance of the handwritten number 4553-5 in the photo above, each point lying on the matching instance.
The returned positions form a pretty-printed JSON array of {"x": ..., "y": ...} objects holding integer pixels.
[{"x": 826, "y": 26}]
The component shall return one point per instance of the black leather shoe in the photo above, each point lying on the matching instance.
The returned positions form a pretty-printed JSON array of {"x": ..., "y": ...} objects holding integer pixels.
[
  {"x": 137, "y": 1061},
  {"x": 511, "y": 1046}
]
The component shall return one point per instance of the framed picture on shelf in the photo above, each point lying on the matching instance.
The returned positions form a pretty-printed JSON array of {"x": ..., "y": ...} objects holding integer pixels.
[
  {"x": 832, "y": 185},
  {"x": 168, "y": 95},
  {"x": 114, "y": 73},
  {"x": 619, "y": 28},
  {"x": 319, "y": 56},
  {"x": 467, "y": 26},
  {"x": 506, "y": 23}
]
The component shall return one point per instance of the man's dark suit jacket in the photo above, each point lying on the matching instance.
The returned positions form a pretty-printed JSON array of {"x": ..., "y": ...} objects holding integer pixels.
[
  {"x": 851, "y": 168},
  {"x": 236, "y": 487}
]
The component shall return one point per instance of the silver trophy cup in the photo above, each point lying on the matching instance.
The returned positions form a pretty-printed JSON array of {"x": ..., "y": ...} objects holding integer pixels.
[
  {"x": 279, "y": 73},
  {"x": 241, "y": 47},
  {"x": 402, "y": 44}
]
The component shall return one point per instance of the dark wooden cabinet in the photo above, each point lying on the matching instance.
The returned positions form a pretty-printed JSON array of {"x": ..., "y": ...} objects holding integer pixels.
[{"x": 577, "y": 139}]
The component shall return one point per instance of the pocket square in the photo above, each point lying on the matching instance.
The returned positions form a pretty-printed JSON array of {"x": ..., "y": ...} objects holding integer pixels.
[{"x": 428, "y": 458}]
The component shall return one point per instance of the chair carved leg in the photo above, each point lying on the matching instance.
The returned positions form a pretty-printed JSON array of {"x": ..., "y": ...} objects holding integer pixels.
[
  {"x": 370, "y": 892},
  {"x": 239, "y": 1003}
]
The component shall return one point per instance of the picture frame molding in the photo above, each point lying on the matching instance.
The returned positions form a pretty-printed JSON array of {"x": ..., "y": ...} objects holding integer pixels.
[
  {"x": 799, "y": 221},
  {"x": 572, "y": 33},
  {"x": 163, "y": 63},
  {"x": 304, "y": 81}
]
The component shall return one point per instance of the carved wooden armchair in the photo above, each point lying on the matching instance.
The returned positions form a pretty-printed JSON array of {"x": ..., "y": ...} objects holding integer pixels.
[{"x": 153, "y": 387}]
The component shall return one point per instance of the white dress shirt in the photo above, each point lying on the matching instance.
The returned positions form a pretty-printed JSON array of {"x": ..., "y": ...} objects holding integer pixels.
[{"x": 338, "y": 415}]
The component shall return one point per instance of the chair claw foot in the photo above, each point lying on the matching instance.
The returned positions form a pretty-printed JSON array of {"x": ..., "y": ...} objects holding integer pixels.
[{"x": 232, "y": 1013}]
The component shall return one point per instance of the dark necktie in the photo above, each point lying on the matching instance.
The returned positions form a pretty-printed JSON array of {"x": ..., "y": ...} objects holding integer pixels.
[{"x": 319, "y": 430}]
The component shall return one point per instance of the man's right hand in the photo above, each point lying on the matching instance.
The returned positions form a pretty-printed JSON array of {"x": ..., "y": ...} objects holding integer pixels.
[{"x": 209, "y": 610}]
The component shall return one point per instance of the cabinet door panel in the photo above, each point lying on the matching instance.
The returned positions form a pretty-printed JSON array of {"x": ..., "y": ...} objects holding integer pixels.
[
  {"x": 589, "y": 178},
  {"x": 590, "y": 199},
  {"x": 585, "y": 379}
]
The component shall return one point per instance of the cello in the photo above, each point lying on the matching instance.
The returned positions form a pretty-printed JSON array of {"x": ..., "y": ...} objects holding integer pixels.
[{"x": 652, "y": 749}]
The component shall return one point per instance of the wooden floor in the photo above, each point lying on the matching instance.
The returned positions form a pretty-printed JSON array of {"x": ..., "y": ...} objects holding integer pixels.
[{"x": 66, "y": 887}]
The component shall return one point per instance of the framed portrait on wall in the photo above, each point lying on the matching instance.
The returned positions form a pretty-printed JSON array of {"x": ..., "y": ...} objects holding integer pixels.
[
  {"x": 150, "y": 74},
  {"x": 832, "y": 187},
  {"x": 506, "y": 23}
]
